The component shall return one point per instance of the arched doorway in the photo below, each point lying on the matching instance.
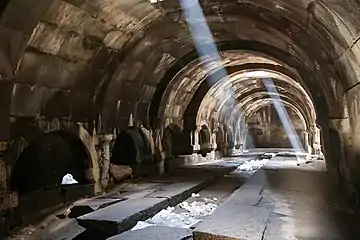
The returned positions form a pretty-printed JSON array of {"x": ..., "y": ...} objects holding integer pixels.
[
  {"x": 38, "y": 173},
  {"x": 173, "y": 141},
  {"x": 46, "y": 160},
  {"x": 130, "y": 148}
]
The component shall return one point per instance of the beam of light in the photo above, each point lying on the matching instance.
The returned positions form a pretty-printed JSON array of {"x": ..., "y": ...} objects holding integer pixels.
[
  {"x": 201, "y": 33},
  {"x": 283, "y": 115}
]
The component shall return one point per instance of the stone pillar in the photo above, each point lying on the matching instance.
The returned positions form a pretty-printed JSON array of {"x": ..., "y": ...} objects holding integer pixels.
[
  {"x": 159, "y": 152},
  {"x": 104, "y": 148},
  {"x": 196, "y": 146},
  {"x": 307, "y": 146},
  {"x": 213, "y": 141}
]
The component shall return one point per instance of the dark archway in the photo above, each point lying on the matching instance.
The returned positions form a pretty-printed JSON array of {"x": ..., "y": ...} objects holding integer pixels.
[
  {"x": 205, "y": 137},
  {"x": 174, "y": 141},
  {"x": 130, "y": 148},
  {"x": 46, "y": 160}
]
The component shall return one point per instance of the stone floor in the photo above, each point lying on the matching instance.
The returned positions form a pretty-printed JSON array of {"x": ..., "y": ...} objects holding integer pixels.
[
  {"x": 181, "y": 183},
  {"x": 284, "y": 201}
]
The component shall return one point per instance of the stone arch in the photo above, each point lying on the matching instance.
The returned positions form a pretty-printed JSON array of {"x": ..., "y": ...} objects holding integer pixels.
[
  {"x": 130, "y": 148},
  {"x": 44, "y": 126},
  {"x": 47, "y": 159}
]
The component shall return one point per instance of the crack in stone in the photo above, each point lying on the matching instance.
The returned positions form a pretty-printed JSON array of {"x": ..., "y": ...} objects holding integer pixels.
[
  {"x": 256, "y": 204},
  {"x": 263, "y": 233},
  {"x": 354, "y": 86},
  {"x": 349, "y": 48},
  {"x": 262, "y": 190}
]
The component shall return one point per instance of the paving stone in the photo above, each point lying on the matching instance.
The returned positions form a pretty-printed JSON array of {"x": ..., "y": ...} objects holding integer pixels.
[
  {"x": 231, "y": 221},
  {"x": 68, "y": 230},
  {"x": 137, "y": 194},
  {"x": 177, "y": 192},
  {"x": 154, "y": 233},
  {"x": 173, "y": 189},
  {"x": 283, "y": 228},
  {"x": 122, "y": 216},
  {"x": 83, "y": 207}
]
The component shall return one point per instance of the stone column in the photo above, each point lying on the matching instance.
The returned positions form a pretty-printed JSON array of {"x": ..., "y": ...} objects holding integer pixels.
[
  {"x": 159, "y": 152},
  {"x": 213, "y": 141},
  {"x": 196, "y": 146},
  {"x": 104, "y": 148},
  {"x": 306, "y": 142}
]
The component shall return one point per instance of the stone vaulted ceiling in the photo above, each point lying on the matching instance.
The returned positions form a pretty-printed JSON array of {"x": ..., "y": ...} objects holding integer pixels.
[{"x": 109, "y": 59}]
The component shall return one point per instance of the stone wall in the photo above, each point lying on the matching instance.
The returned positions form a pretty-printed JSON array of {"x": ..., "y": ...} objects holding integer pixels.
[{"x": 267, "y": 130}]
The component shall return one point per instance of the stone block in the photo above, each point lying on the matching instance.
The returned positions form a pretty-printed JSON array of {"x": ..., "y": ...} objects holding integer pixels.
[
  {"x": 26, "y": 100},
  {"x": 74, "y": 192},
  {"x": 38, "y": 200},
  {"x": 120, "y": 173},
  {"x": 116, "y": 39},
  {"x": 348, "y": 62},
  {"x": 73, "y": 17},
  {"x": 49, "y": 70},
  {"x": 233, "y": 222},
  {"x": 56, "y": 41},
  {"x": 8, "y": 200},
  {"x": 24, "y": 15},
  {"x": 122, "y": 216},
  {"x": 83, "y": 207}
]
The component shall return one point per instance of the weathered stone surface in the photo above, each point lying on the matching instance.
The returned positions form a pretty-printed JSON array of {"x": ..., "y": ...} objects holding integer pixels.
[
  {"x": 122, "y": 216},
  {"x": 83, "y": 207},
  {"x": 116, "y": 39},
  {"x": 8, "y": 200},
  {"x": 49, "y": 70},
  {"x": 120, "y": 173},
  {"x": 71, "y": 17},
  {"x": 22, "y": 15},
  {"x": 26, "y": 100},
  {"x": 56, "y": 41},
  {"x": 233, "y": 221},
  {"x": 154, "y": 233},
  {"x": 73, "y": 43}
]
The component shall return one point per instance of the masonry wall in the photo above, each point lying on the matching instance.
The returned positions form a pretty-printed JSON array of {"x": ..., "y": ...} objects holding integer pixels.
[{"x": 267, "y": 130}]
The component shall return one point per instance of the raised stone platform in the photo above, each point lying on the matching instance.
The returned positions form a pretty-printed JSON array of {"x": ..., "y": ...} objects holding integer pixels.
[
  {"x": 168, "y": 191},
  {"x": 122, "y": 216}
]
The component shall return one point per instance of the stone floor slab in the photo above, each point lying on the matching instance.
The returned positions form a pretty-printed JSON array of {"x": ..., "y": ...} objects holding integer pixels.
[
  {"x": 122, "y": 216},
  {"x": 154, "y": 233},
  {"x": 231, "y": 221}
]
